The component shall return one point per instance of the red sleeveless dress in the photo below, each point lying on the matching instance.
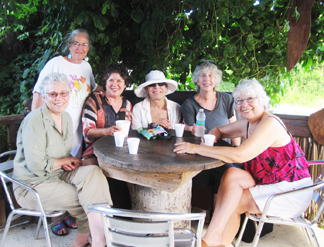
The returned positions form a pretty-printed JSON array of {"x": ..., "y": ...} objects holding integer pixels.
[{"x": 274, "y": 165}]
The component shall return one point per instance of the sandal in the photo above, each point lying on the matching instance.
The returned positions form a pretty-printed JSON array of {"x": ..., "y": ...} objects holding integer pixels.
[
  {"x": 69, "y": 222},
  {"x": 59, "y": 226}
]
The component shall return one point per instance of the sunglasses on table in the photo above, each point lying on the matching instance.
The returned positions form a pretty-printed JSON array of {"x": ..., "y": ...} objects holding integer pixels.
[
  {"x": 161, "y": 84},
  {"x": 55, "y": 94}
]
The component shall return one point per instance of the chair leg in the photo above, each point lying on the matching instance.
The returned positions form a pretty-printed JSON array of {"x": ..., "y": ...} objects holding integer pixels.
[
  {"x": 258, "y": 234},
  {"x": 46, "y": 231},
  {"x": 38, "y": 227},
  {"x": 5, "y": 232},
  {"x": 311, "y": 237},
  {"x": 239, "y": 238}
]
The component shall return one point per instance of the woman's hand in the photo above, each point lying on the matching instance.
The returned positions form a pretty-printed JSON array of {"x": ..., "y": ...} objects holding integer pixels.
[
  {"x": 194, "y": 129},
  {"x": 111, "y": 130},
  {"x": 67, "y": 164},
  {"x": 165, "y": 123},
  {"x": 185, "y": 147}
]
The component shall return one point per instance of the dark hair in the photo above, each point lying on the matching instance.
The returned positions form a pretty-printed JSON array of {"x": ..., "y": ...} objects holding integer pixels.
[
  {"x": 70, "y": 37},
  {"x": 117, "y": 68}
]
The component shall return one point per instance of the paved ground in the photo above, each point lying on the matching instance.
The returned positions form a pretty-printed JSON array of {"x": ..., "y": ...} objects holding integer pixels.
[{"x": 283, "y": 236}]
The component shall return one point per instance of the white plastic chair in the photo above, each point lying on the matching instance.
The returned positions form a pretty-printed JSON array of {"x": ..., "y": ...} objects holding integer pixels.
[
  {"x": 138, "y": 228},
  {"x": 298, "y": 221},
  {"x": 5, "y": 174}
]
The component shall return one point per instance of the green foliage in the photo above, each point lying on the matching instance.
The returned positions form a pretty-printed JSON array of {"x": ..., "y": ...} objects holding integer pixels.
[
  {"x": 244, "y": 39},
  {"x": 307, "y": 88}
]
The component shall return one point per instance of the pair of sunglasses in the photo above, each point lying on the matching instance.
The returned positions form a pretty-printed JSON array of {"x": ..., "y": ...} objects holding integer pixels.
[{"x": 161, "y": 84}]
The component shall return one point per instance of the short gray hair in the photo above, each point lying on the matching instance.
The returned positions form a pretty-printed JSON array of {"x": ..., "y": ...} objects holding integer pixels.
[
  {"x": 70, "y": 38},
  {"x": 202, "y": 66},
  {"x": 54, "y": 78},
  {"x": 247, "y": 87}
]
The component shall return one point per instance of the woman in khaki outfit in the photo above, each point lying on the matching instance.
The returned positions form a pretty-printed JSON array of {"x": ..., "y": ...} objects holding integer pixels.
[{"x": 43, "y": 161}]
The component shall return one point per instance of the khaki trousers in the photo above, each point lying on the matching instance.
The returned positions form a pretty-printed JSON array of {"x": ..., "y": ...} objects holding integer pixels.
[{"x": 72, "y": 192}]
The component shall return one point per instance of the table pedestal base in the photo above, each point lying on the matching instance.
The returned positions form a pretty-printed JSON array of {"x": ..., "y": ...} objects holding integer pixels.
[{"x": 154, "y": 200}]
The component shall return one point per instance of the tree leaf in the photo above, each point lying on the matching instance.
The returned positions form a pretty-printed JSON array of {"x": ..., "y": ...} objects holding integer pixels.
[
  {"x": 243, "y": 50},
  {"x": 223, "y": 14},
  {"x": 137, "y": 15},
  {"x": 229, "y": 51},
  {"x": 100, "y": 22},
  {"x": 268, "y": 31}
]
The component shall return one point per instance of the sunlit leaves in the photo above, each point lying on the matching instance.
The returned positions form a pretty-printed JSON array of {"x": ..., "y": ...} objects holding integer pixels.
[
  {"x": 23, "y": 36},
  {"x": 296, "y": 14}
]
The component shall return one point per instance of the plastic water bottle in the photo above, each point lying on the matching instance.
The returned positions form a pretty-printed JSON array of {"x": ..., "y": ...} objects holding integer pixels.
[{"x": 201, "y": 117}]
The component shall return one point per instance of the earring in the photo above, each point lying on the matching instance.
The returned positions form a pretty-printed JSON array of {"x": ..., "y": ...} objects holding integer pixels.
[
  {"x": 69, "y": 56},
  {"x": 86, "y": 59}
]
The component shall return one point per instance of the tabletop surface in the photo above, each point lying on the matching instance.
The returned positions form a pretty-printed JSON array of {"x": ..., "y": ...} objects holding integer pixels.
[{"x": 154, "y": 154}]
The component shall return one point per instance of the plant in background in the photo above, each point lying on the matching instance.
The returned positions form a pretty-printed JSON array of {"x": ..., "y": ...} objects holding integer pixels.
[{"x": 243, "y": 38}]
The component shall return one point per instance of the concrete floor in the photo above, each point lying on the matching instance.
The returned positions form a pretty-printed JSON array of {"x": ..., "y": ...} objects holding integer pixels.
[{"x": 286, "y": 236}]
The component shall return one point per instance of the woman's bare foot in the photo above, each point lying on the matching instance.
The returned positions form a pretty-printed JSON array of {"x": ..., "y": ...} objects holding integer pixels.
[{"x": 81, "y": 240}]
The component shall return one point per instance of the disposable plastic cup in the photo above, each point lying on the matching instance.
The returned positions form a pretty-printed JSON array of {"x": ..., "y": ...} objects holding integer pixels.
[
  {"x": 133, "y": 144},
  {"x": 209, "y": 139},
  {"x": 119, "y": 139},
  {"x": 124, "y": 124},
  {"x": 179, "y": 128}
]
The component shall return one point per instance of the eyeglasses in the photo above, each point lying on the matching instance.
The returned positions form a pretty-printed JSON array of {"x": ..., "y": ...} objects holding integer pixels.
[
  {"x": 206, "y": 61},
  {"x": 248, "y": 100},
  {"x": 161, "y": 84},
  {"x": 55, "y": 94},
  {"x": 84, "y": 45}
]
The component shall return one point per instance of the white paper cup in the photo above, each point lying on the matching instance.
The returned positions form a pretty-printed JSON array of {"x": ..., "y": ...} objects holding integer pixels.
[
  {"x": 124, "y": 124},
  {"x": 209, "y": 139},
  {"x": 133, "y": 144},
  {"x": 179, "y": 128},
  {"x": 119, "y": 139}
]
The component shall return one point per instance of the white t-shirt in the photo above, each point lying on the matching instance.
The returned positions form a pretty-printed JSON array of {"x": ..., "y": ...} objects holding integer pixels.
[{"x": 82, "y": 80}]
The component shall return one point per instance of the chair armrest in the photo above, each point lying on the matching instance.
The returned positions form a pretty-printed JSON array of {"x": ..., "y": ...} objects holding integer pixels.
[
  {"x": 290, "y": 192},
  {"x": 105, "y": 209},
  {"x": 8, "y": 153},
  {"x": 20, "y": 184}
]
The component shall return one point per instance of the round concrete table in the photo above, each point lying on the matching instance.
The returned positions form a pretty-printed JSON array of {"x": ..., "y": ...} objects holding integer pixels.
[{"x": 161, "y": 179}]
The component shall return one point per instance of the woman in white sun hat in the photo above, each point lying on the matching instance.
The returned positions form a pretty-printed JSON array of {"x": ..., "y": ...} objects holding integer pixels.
[{"x": 156, "y": 108}]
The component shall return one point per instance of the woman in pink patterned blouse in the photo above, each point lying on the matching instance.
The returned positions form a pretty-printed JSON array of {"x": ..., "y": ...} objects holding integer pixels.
[
  {"x": 273, "y": 163},
  {"x": 102, "y": 109}
]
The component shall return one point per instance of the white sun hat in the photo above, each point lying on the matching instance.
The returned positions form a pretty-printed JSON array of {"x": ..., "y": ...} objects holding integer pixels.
[{"x": 155, "y": 76}]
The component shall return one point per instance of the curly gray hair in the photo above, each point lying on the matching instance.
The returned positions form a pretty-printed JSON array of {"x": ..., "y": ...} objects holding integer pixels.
[
  {"x": 54, "y": 78},
  {"x": 202, "y": 66},
  {"x": 247, "y": 87}
]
